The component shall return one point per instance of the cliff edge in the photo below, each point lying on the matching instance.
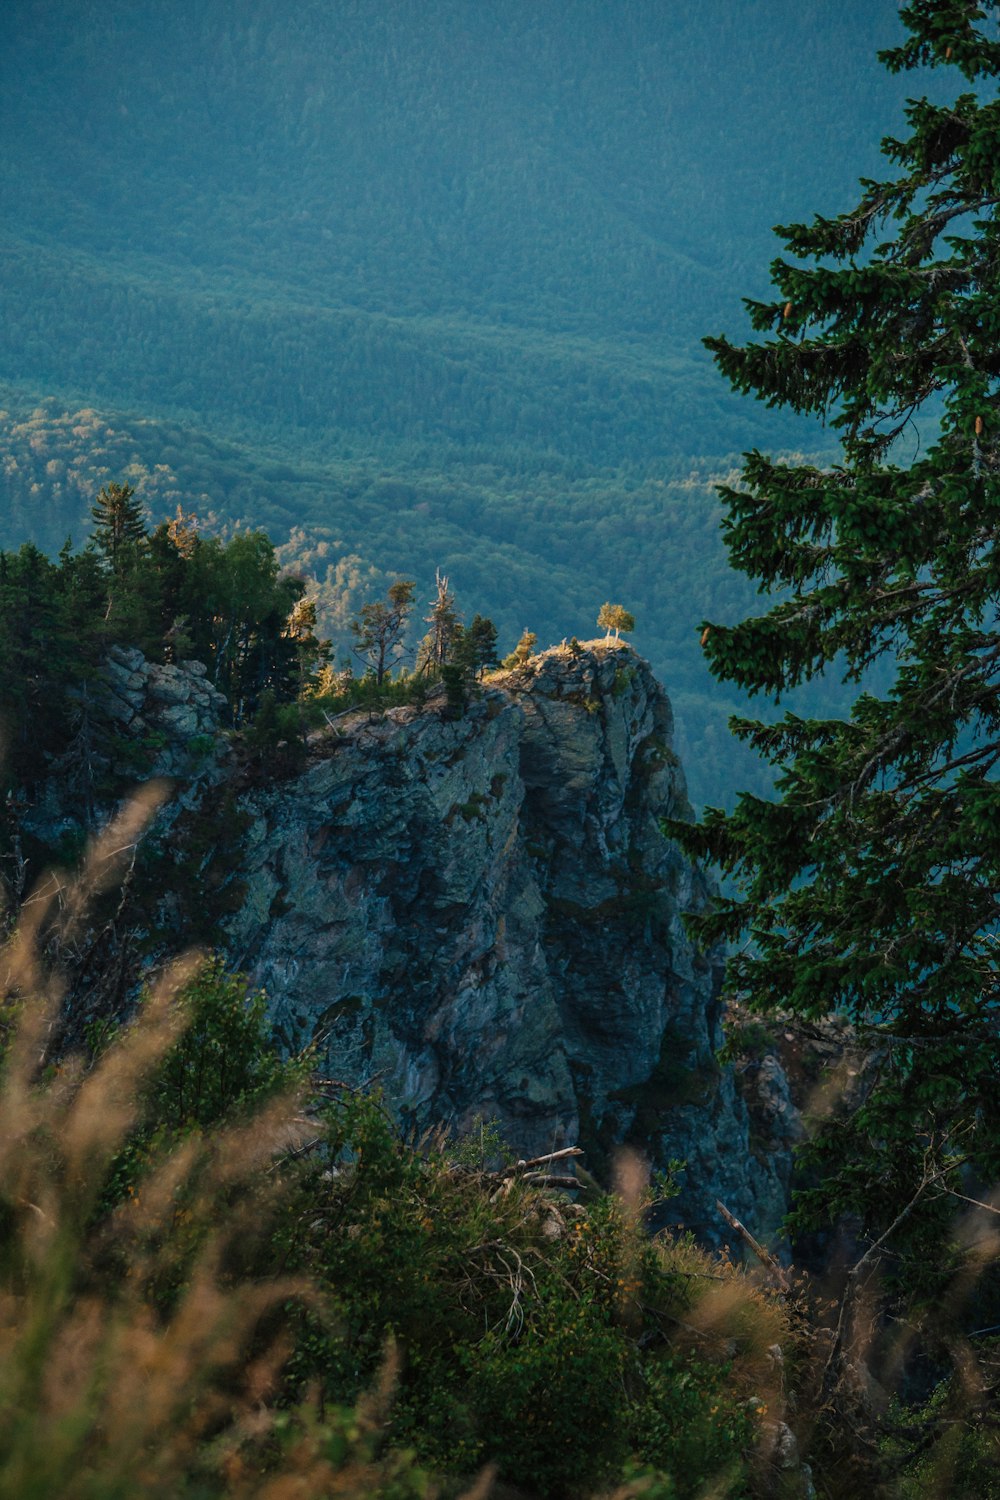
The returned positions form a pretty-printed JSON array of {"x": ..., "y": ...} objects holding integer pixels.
[{"x": 482, "y": 913}]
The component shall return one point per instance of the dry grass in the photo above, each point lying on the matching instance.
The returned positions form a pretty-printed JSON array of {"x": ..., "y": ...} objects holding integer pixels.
[{"x": 107, "y": 1389}]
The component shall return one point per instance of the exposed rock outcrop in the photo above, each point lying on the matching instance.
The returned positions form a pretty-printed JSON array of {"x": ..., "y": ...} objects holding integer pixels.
[
  {"x": 479, "y": 910},
  {"x": 483, "y": 913},
  {"x": 173, "y": 711},
  {"x": 139, "y": 720}
]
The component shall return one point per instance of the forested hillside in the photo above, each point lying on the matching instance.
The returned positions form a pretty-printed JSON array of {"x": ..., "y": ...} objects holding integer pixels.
[{"x": 419, "y": 287}]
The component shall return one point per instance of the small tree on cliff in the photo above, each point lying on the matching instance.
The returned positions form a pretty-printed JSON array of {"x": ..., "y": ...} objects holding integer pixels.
[
  {"x": 615, "y": 617},
  {"x": 871, "y": 885},
  {"x": 380, "y": 627},
  {"x": 445, "y": 627},
  {"x": 522, "y": 651},
  {"x": 482, "y": 635},
  {"x": 119, "y": 521}
]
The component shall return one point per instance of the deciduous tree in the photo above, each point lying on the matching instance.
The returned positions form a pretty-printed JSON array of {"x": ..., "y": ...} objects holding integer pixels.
[{"x": 615, "y": 617}]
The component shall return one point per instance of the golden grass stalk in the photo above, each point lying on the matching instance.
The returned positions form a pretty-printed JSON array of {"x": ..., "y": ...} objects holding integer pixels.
[{"x": 106, "y": 1389}]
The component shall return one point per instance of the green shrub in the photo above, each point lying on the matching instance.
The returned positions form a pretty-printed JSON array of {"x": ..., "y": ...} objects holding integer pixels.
[
  {"x": 687, "y": 1422},
  {"x": 224, "y": 1062},
  {"x": 521, "y": 654},
  {"x": 948, "y": 1445},
  {"x": 552, "y": 1397},
  {"x": 367, "y": 693}
]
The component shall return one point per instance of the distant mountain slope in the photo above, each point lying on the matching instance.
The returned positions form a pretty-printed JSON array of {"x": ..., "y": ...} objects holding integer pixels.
[
  {"x": 543, "y": 555},
  {"x": 427, "y": 280}
]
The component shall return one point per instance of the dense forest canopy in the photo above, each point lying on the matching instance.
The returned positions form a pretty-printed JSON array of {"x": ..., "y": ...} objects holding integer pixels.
[{"x": 418, "y": 287}]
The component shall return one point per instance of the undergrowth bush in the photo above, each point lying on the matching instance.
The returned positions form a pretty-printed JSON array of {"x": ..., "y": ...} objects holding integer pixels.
[
  {"x": 108, "y": 1389},
  {"x": 366, "y": 692},
  {"x": 535, "y": 1335}
]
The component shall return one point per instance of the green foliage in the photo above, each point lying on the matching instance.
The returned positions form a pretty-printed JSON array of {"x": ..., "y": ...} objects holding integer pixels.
[
  {"x": 686, "y": 1424},
  {"x": 869, "y": 885},
  {"x": 107, "y": 1387},
  {"x": 172, "y": 1218},
  {"x": 615, "y": 617},
  {"x": 119, "y": 522},
  {"x": 223, "y": 1063},
  {"x": 946, "y": 1446},
  {"x": 624, "y": 677},
  {"x": 350, "y": 692},
  {"x": 220, "y": 1069},
  {"x": 482, "y": 648},
  {"x": 53, "y": 632},
  {"x": 514, "y": 1313},
  {"x": 456, "y": 690},
  {"x": 473, "y": 651},
  {"x": 276, "y": 736},
  {"x": 483, "y": 1149},
  {"x": 174, "y": 594},
  {"x": 246, "y": 622},
  {"x": 521, "y": 653},
  {"x": 530, "y": 1394},
  {"x": 380, "y": 627}
]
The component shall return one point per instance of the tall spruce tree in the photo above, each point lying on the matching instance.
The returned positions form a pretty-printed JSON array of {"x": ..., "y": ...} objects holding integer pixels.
[
  {"x": 119, "y": 521},
  {"x": 870, "y": 885}
]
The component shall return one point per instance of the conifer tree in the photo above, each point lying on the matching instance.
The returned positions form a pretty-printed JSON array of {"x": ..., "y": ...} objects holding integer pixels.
[
  {"x": 482, "y": 644},
  {"x": 472, "y": 651},
  {"x": 870, "y": 885},
  {"x": 445, "y": 623},
  {"x": 381, "y": 626},
  {"x": 241, "y": 613},
  {"x": 119, "y": 519},
  {"x": 521, "y": 653}
]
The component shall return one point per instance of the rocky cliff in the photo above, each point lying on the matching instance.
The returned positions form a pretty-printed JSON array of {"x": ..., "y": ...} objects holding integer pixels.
[
  {"x": 482, "y": 913},
  {"x": 478, "y": 910}
]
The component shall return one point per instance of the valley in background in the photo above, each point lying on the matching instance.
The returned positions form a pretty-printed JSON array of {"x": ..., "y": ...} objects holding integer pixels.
[{"x": 422, "y": 288}]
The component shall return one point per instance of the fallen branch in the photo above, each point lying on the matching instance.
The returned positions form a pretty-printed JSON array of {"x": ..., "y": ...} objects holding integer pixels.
[
  {"x": 764, "y": 1256},
  {"x": 517, "y": 1167}
]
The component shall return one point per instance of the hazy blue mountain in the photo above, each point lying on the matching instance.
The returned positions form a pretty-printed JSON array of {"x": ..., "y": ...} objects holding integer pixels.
[{"x": 418, "y": 284}]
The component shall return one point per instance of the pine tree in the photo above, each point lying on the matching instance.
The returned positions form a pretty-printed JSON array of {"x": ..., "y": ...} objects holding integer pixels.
[
  {"x": 119, "y": 520},
  {"x": 870, "y": 886},
  {"x": 472, "y": 650},
  {"x": 445, "y": 623},
  {"x": 521, "y": 654},
  {"x": 482, "y": 644},
  {"x": 380, "y": 627}
]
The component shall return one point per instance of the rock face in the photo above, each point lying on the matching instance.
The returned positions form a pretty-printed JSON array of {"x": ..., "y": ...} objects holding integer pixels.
[
  {"x": 145, "y": 720},
  {"x": 163, "y": 707},
  {"x": 479, "y": 911},
  {"x": 483, "y": 913}
]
